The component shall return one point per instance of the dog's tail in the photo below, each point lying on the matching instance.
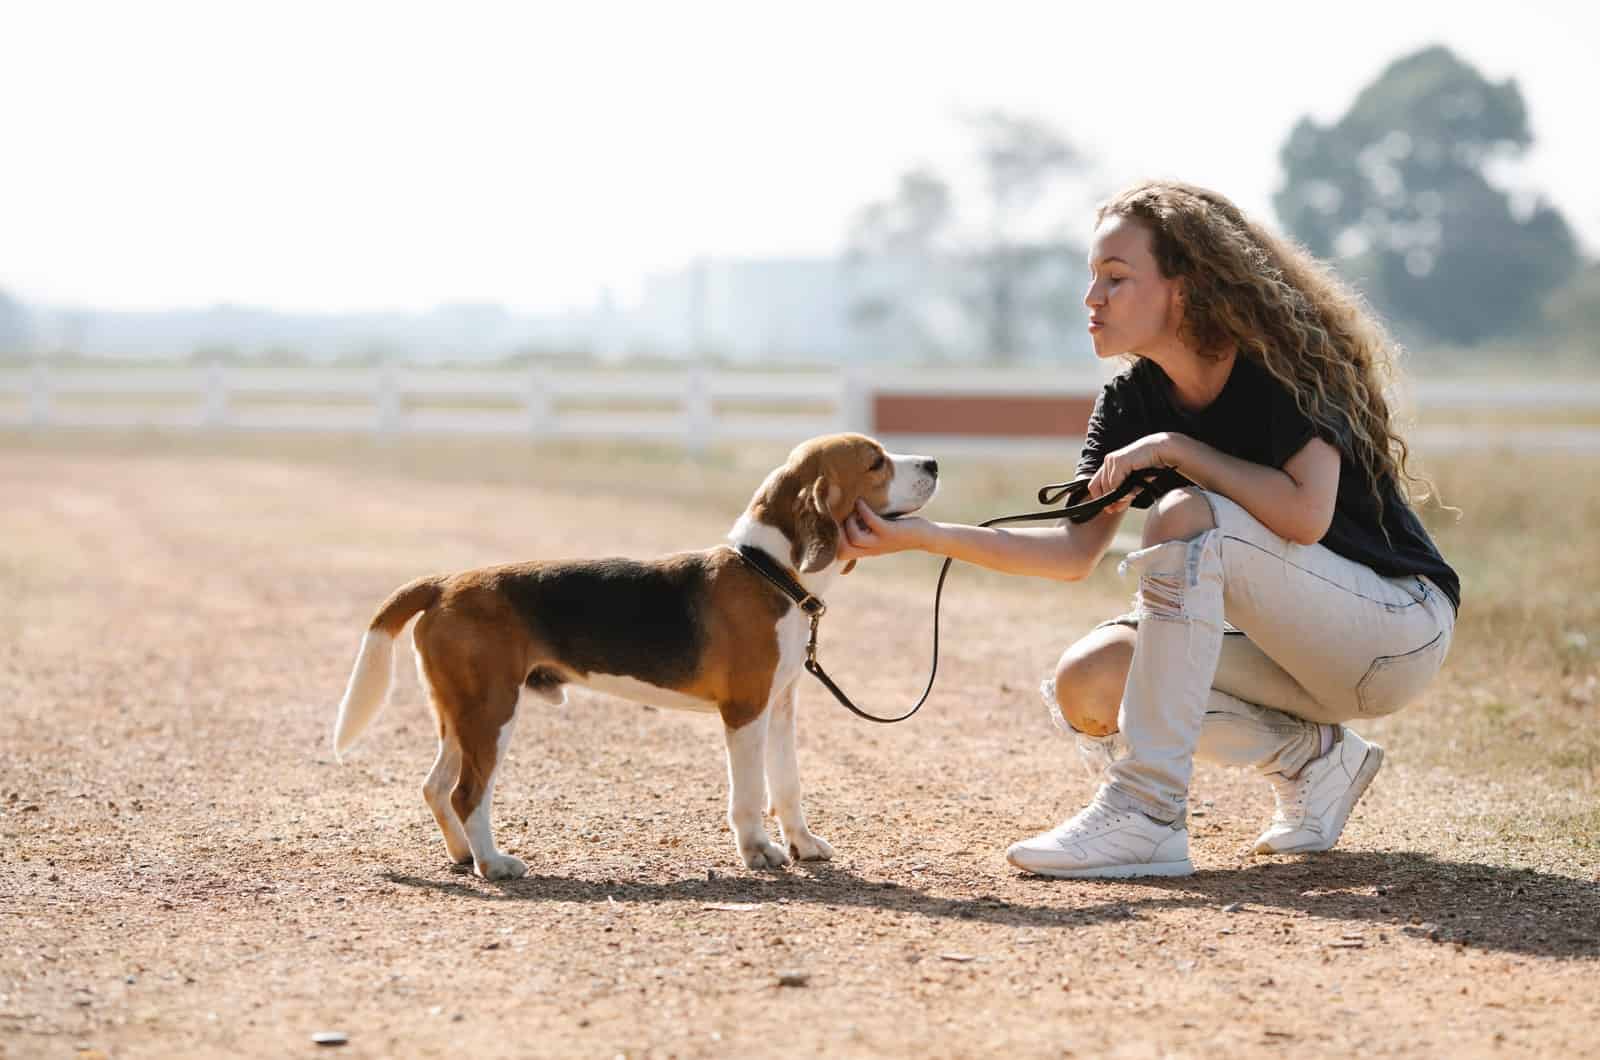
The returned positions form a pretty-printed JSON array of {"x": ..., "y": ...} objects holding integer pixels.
[{"x": 368, "y": 689}]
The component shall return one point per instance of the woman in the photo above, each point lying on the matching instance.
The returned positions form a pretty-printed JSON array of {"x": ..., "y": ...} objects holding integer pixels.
[{"x": 1255, "y": 389}]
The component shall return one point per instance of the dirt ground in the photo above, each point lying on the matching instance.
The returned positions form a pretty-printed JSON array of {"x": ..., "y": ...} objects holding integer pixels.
[{"x": 186, "y": 872}]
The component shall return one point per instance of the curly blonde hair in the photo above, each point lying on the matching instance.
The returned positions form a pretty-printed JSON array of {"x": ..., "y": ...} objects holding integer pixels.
[{"x": 1245, "y": 285}]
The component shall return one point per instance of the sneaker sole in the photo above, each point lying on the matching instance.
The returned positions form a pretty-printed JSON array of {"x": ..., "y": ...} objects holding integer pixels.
[
  {"x": 1369, "y": 769},
  {"x": 1112, "y": 872}
]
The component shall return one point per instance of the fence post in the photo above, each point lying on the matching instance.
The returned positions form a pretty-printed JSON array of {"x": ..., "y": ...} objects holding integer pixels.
[
  {"x": 698, "y": 412},
  {"x": 541, "y": 410},
  {"x": 39, "y": 398},
  {"x": 854, "y": 410},
  {"x": 216, "y": 399},
  {"x": 388, "y": 397}
]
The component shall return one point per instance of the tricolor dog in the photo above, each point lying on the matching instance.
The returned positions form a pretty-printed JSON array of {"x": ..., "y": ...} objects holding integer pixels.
[{"x": 692, "y": 631}]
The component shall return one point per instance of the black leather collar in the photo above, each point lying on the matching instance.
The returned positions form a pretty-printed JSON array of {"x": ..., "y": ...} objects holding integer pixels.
[{"x": 779, "y": 576}]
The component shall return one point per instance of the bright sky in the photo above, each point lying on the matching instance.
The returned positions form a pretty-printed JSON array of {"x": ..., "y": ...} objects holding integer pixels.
[{"x": 338, "y": 156}]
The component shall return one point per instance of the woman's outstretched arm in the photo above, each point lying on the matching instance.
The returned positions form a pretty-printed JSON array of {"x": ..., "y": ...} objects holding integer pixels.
[{"x": 1065, "y": 552}]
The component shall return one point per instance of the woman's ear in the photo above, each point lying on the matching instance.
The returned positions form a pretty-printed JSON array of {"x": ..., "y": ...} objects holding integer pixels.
[{"x": 818, "y": 542}]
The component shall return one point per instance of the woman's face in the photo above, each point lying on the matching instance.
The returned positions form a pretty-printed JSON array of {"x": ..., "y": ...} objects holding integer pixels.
[{"x": 1132, "y": 307}]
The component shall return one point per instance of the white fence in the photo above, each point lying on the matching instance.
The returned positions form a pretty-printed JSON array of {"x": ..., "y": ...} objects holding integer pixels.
[{"x": 693, "y": 406}]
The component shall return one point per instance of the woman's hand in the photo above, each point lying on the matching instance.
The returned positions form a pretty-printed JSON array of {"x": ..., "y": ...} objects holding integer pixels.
[
  {"x": 866, "y": 534},
  {"x": 1153, "y": 450}
]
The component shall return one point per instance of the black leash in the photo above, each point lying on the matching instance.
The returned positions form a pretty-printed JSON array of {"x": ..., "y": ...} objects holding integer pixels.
[{"x": 814, "y": 608}]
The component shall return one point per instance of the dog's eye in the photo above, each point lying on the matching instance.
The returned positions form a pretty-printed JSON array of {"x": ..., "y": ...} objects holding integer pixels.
[{"x": 877, "y": 465}]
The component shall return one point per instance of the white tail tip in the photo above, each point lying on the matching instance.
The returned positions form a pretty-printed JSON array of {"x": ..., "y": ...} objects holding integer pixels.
[{"x": 367, "y": 691}]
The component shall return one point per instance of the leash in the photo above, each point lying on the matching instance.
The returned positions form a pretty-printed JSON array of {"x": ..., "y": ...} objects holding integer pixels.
[{"x": 813, "y": 607}]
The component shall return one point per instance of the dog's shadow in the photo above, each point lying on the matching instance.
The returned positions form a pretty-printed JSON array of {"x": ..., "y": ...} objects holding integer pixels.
[{"x": 1487, "y": 907}]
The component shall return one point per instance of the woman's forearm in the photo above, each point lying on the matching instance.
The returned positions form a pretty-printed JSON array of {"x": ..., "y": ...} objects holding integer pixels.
[
  {"x": 1065, "y": 553},
  {"x": 1297, "y": 509}
]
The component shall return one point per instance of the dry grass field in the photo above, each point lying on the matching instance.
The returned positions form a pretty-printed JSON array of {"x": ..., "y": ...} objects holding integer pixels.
[{"x": 184, "y": 871}]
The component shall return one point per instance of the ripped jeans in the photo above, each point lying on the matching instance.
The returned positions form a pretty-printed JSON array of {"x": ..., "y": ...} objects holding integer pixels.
[{"x": 1324, "y": 640}]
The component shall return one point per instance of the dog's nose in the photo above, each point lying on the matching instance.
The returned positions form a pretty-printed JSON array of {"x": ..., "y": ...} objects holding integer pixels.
[{"x": 931, "y": 466}]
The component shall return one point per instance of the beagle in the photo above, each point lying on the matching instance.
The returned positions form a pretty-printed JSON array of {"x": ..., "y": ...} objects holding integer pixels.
[{"x": 692, "y": 631}]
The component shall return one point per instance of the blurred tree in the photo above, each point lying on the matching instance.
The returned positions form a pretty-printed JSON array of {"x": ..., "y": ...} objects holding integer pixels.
[
  {"x": 926, "y": 283},
  {"x": 1572, "y": 312},
  {"x": 15, "y": 332},
  {"x": 898, "y": 250},
  {"x": 1022, "y": 159},
  {"x": 1399, "y": 190}
]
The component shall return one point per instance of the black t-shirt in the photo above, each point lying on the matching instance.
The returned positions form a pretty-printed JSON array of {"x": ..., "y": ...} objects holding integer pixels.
[{"x": 1255, "y": 419}]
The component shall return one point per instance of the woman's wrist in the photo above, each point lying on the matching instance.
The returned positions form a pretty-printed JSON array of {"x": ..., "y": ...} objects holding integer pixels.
[
  {"x": 1174, "y": 451},
  {"x": 924, "y": 534}
]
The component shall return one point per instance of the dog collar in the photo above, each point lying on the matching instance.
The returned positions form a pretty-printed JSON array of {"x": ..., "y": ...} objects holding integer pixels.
[{"x": 770, "y": 569}]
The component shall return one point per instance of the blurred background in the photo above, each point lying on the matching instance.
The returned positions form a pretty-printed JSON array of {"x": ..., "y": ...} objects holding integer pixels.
[{"x": 890, "y": 183}]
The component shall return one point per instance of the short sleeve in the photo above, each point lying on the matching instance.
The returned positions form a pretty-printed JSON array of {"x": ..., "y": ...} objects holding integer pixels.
[
  {"x": 1288, "y": 429},
  {"x": 1121, "y": 417},
  {"x": 1096, "y": 443}
]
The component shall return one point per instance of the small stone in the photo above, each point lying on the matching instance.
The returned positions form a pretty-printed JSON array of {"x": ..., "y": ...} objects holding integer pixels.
[
  {"x": 793, "y": 978},
  {"x": 959, "y": 958},
  {"x": 330, "y": 1038},
  {"x": 1233, "y": 907}
]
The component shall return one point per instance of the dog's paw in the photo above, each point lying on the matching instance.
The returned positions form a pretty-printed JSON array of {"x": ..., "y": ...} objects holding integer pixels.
[
  {"x": 763, "y": 854},
  {"x": 808, "y": 847},
  {"x": 502, "y": 867}
]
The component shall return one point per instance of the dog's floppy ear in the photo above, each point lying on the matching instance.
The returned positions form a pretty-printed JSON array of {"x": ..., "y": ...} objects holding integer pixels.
[{"x": 818, "y": 535}]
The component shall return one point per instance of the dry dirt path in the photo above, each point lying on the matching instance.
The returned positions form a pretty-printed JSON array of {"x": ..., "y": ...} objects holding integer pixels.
[{"x": 184, "y": 871}]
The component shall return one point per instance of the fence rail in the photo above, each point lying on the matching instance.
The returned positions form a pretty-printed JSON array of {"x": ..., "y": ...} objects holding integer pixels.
[{"x": 694, "y": 406}]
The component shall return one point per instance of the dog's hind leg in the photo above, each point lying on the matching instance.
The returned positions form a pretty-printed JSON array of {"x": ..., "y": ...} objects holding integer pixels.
[
  {"x": 436, "y": 790},
  {"x": 783, "y": 774},
  {"x": 747, "y": 793},
  {"x": 483, "y": 748}
]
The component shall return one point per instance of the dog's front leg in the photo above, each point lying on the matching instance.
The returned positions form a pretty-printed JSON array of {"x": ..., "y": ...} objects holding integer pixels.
[
  {"x": 783, "y": 773},
  {"x": 747, "y": 793}
]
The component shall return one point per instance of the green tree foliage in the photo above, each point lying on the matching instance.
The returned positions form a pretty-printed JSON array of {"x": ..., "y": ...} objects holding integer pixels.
[{"x": 1398, "y": 189}]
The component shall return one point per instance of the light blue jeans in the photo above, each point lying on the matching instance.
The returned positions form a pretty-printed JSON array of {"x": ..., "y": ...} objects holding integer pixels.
[{"x": 1325, "y": 640}]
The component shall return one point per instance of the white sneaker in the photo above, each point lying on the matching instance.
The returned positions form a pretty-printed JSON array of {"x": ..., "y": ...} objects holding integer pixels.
[
  {"x": 1313, "y": 807},
  {"x": 1104, "y": 841}
]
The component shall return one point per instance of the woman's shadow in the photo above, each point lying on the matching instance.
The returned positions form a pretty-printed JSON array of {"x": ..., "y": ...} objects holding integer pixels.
[{"x": 1486, "y": 907}]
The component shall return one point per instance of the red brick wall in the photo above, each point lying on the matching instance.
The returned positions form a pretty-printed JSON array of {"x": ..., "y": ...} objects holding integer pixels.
[{"x": 995, "y": 415}]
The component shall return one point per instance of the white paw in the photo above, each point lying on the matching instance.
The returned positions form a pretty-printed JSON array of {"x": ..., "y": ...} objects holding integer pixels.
[
  {"x": 763, "y": 854},
  {"x": 808, "y": 847},
  {"x": 502, "y": 867}
]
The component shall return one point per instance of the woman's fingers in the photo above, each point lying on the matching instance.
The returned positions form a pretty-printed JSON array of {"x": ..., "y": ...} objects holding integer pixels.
[{"x": 859, "y": 528}]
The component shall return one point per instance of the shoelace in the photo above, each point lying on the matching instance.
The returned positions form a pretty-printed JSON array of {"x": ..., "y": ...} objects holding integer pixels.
[{"x": 1095, "y": 815}]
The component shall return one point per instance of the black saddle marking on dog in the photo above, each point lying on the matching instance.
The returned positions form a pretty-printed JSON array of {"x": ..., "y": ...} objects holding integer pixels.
[{"x": 616, "y": 616}]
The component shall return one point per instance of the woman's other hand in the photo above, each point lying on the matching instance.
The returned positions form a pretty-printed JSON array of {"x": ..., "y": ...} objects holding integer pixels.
[
  {"x": 867, "y": 534},
  {"x": 1153, "y": 450}
]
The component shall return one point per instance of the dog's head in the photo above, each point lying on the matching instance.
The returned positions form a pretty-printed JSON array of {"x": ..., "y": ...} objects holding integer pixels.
[{"x": 817, "y": 487}]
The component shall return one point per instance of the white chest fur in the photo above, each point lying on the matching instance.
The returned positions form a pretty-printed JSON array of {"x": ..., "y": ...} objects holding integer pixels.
[{"x": 794, "y": 629}]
